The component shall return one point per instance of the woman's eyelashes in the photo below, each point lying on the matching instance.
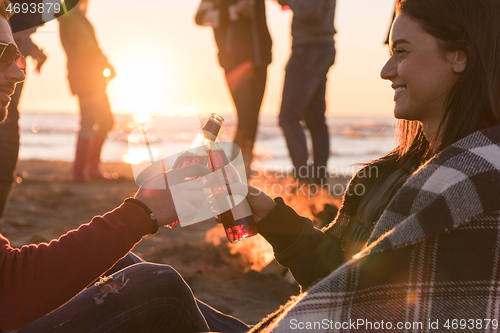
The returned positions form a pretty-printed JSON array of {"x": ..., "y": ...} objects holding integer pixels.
[{"x": 399, "y": 51}]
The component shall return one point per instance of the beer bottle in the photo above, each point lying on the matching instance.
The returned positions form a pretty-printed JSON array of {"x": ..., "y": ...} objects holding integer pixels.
[
  {"x": 197, "y": 152},
  {"x": 238, "y": 221},
  {"x": 236, "y": 215}
]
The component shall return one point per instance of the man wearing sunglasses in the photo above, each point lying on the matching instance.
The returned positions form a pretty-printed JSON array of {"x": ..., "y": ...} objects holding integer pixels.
[
  {"x": 12, "y": 67},
  {"x": 48, "y": 287},
  {"x": 9, "y": 131},
  {"x": 23, "y": 25}
]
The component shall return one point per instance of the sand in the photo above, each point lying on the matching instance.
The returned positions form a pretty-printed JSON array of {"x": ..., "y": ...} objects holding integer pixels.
[{"x": 240, "y": 279}]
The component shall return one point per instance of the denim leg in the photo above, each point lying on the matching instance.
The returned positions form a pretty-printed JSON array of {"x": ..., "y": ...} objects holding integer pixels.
[
  {"x": 216, "y": 320},
  {"x": 316, "y": 123},
  {"x": 247, "y": 96},
  {"x": 293, "y": 104},
  {"x": 219, "y": 322},
  {"x": 304, "y": 79},
  {"x": 129, "y": 260},
  {"x": 141, "y": 298}
]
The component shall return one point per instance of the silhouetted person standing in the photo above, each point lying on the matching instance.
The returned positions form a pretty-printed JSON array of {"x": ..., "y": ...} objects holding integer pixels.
[
  {"x": 244, "y": 44},
  {"x": 303, "y": 100},
  {"x": 23, "y": 25},
  {"x": 86, "y": 65}
]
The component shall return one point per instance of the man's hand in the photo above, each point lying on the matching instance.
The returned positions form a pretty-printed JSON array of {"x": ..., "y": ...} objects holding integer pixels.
[{"x": 189, "y": 197}]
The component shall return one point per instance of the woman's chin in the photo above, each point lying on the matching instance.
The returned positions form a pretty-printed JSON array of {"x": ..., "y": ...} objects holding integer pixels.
[
  {"x": 399, "y": 114},
  {"x": 402, "y": 113}
]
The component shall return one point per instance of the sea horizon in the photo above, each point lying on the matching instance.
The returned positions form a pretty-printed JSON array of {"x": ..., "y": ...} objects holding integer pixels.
[{"x": 353, "y": 140}]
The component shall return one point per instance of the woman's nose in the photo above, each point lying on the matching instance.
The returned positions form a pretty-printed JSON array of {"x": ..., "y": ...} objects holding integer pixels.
[{"x": 390, "y": 70}]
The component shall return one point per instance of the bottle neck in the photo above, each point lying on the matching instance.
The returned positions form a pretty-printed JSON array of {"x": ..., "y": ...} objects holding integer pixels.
[{"x": 210, "y": 130}]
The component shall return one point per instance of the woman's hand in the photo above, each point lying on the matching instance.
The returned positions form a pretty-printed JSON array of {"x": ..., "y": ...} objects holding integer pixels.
[
  {"x": 156, "y": 193},
  {"x": 260, "y": 203}
]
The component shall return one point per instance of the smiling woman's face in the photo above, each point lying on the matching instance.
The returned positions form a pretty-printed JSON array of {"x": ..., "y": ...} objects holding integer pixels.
[{"x": 421, "y": 74}]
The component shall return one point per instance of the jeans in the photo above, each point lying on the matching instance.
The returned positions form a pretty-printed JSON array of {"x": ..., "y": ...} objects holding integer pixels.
[
  {"x": 142, "y": 297},
  {"x": 304, "y": 100},
  {"x": 247, "y": 85}
]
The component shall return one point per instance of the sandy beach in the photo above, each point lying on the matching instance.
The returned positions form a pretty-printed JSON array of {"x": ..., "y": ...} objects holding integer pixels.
[{"x": 240, "y": 279}]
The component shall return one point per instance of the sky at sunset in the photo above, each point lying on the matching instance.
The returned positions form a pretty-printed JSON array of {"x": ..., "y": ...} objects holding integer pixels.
[{"x": 164, "y": 61}]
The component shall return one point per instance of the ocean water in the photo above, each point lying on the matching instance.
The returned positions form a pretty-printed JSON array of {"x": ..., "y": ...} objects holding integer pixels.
[{"x": 352, "y": 140}]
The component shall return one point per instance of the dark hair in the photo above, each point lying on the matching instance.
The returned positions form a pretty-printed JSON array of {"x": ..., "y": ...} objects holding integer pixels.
[{"x": 471, "y": 26}]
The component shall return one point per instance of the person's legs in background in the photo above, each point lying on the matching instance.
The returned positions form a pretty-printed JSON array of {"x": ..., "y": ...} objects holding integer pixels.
[
  {"x": 247, "y": 84},
  {"x": 315, "y": 115},
  {"x": 297, "y": 89},
  {"x": 316, "y": 123},
  {"x": 105, "y": 122},
  {"x": 96, "y": 120},
  {"x": 88, "y": 117},
  {"x": 304, "y": 92}
]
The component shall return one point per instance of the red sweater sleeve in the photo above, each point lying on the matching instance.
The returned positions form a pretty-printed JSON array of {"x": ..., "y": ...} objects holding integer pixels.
[{"x": 36, "y": 279}]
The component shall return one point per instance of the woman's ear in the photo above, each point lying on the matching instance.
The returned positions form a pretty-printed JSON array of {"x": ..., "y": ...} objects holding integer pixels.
[{"x": 459, "y": 61}]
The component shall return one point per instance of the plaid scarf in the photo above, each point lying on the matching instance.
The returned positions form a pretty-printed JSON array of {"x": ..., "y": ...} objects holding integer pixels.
[{"x": 433, "y": 259}]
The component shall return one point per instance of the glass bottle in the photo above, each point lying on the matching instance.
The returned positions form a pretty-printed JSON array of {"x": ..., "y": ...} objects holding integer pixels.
[
  {"x": 236, "y": 216},
  {"x": 197, "y": 152},
  {"x": 238, "y": 221}
]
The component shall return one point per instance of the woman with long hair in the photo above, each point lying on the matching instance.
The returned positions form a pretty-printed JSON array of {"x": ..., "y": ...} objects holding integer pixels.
[{"x": 417, "y": 240}]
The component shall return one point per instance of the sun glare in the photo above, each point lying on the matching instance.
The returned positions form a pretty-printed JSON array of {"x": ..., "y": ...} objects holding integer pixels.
[
  {"x": 139, "y": 155},
  {"x": 107, "y": 72},
  {"x": 142, "y": 84},
  {"x": 141, "y": 118}
]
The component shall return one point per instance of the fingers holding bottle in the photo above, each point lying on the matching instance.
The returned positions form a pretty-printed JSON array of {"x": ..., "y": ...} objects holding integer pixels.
[
  {"x": 260, "y": 203},
  {"x": 171, "y": 197}
]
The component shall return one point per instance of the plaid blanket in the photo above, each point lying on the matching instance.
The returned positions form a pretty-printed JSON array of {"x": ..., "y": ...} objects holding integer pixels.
[{"x": 433, "y": 259}]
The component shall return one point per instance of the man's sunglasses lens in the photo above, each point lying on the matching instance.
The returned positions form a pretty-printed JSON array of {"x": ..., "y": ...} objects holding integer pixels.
[{"x": 10, "y": 55}]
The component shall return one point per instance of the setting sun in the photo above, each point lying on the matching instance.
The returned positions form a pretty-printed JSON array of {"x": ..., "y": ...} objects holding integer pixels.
[
  {"x": 107, "y": 72},
  {"x": 142, "y": 84}
]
